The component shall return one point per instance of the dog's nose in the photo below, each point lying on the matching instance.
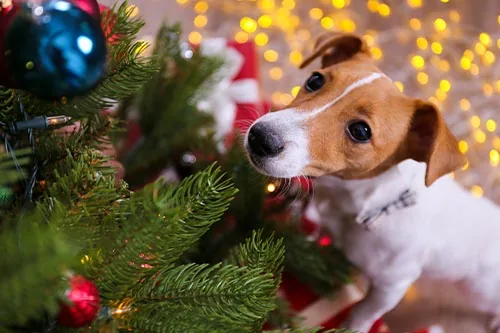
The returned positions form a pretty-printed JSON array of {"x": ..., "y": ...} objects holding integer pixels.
[{"x": 264, "y": 142}]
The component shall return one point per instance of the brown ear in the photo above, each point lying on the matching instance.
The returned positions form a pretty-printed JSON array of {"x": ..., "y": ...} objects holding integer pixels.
[
  {"x": 431, "y": 141},
  {"x": 335, "y": 48}
]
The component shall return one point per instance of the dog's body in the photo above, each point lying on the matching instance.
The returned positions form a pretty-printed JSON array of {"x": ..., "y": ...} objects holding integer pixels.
[
  {"x": 381, "y": 160},
  {"x": 411, "y": 231}
]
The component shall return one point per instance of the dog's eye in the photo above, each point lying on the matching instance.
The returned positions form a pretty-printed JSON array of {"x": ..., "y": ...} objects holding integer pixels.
[
  {"x": 315, "y": 82},
  {"x": 359, "y": 131}
]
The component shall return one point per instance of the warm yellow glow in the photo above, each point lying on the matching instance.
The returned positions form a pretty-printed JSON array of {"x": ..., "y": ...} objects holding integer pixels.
[
  {"x": 480, "y": 136},
  {"x": 414, "y": 3},
  {"x": 477, "y": 191},
  {"x": 491, "y": 125},
  {"x": 422, "y": 78},
  {"x": 466, "y": 63},
  {"x": 200, "y": 21},
  {"x": 488, "y": 89},
  {"x": 369, "y": 39},
  {"x": 454, "y": 16},
  {"x": 265, "y": 21},
  {"x": 411, "y": 294},
  {"x": 475, "y": 121},
  {"x": 415, "y": 24},
  {"x": 445, "y": 1},
  {"x": 497, "y": 86},
  {"x": 241, "y": 37},
  {"x": 466, "y": 166},
  {"x": 422, "y": 43},
  {"x": 444, "y": 66},
  {"x": 347, "y": 25},
  {"x": 339, "y": 4},
  {"x": 286, "y": 99},
  {"x": 295, "y": 58},
  {"x": 445, "y": 85},
  {"x": 315, "y": 13},
  {"x": 474, "y": 69},
  {"x": 494, "y": 157},
  {"x": 266, "y": 5},
  {"x": 182, "y": 2},
  {"x": 248, "y": 24},
  {"x": 463, "y": 146},
  {"x": 270, "y": 188},
  {"x": 373, "y": 5},
  {"x": 276, "y": 97},
  {"x": 400, "y": 85},
  {"x": 271, "y": 55},
  {"x": 201, "y": 7},
  {"x": 195, "y": 37},
  {"x": 441, "y": 95},
  {"x": 288, "y": 4},
  {"x": 377, "y": 53},
  {"x": 418, "y": 62},
  {"x": 498, "y": 43},
  {"x": 489, "y": 58},
  {"x": 465, "y": 104},
  {"x": 440, "y": 24},
  {"x": 261, "y": 39},
  {"x": 480, "y": 48},
  {"x": 469, "y": 54},
  {"x": 498, "y": 19},
  {"x": 496, "y": 142},
  {"x": 485, "y": 38},
  {"x": 276, "y": 73},
  {"x": 132, "y": 10},
  {"x": 85, "y": 259},
  {"x": 295, "y": 91},
  {"x": 327, "y": 22},
  {"x": 384, "y": 10},
  {"x": 437, "y": 48}
]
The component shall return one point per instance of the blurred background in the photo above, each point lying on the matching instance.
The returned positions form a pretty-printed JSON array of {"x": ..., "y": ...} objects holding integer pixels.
[
  {"x": 445, "y": 51},
  {"x": 442, "y": 50}
]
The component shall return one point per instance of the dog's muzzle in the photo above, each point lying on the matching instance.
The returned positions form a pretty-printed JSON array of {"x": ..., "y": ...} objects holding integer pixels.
[{"x": 264, "y": 142}]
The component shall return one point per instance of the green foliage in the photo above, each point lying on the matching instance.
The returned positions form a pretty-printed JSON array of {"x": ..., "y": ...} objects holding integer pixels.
[
  {"x": 167, "y": 108},
  {"x": 157, "y": 224},
  {"x": 11, "y": 172},
  {"x": 33, "y": 258}
]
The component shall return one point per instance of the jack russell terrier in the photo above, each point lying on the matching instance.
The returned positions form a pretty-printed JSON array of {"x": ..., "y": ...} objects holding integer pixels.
[{"x": 380, "y": 161}]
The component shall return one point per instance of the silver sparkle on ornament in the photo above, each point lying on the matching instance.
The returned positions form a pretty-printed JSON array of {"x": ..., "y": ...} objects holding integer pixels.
[
  {"x": 186, "y": 51},
  {"x": 188, "y": 158}
]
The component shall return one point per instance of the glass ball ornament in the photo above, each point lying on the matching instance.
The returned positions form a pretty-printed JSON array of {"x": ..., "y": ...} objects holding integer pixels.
[
  {"x": 83, "y": 303},
  {"x": 54, "y": 49}
]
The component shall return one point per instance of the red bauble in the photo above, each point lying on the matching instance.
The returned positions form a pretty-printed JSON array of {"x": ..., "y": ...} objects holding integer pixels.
[
  {"x": 91, "y": 7},
  {"x": 6, "y": 16},
  {"x": 84, "y": 303}
]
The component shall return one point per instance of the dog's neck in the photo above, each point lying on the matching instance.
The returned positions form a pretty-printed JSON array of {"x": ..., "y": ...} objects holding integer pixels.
[{"x": 367, "y": 199}]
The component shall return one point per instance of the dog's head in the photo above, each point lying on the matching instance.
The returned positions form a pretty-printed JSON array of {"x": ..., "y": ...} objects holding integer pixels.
[{"x": 351, "y": 121}]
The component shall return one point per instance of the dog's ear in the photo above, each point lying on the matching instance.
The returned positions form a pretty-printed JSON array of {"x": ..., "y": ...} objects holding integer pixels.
[
  {"x": 429, "y": 140},
  {"x": 335, "y": 48}
]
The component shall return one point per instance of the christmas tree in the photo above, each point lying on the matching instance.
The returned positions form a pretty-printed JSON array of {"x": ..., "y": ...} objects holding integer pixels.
[{"x": 80, "y": 250}]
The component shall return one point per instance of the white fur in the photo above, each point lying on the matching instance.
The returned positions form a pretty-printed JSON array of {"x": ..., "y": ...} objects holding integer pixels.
[
  {"x": 448, "y": 235},
  {"x": 290, "y": 123}
]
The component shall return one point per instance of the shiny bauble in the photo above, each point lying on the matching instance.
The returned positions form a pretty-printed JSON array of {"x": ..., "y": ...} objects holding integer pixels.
[
  {"x": 82, "y": 304},
  {"x": 54, "y": 49}
]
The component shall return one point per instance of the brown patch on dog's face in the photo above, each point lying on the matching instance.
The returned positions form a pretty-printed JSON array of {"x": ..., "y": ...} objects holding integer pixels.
[
  {"x": 379, "y": 104},
  {"x": 351, "y": 121}
]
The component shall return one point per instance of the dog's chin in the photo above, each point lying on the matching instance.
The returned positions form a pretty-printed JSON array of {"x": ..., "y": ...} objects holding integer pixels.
[{"x": 276, "y": 167}]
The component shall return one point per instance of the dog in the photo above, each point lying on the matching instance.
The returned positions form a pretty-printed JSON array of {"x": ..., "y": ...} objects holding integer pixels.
[{"x": 381, "y": 163}]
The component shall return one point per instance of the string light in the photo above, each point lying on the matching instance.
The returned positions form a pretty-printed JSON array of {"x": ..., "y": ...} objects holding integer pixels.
[
  {"x": 295, "y": 58},
  {"x": 316, "y": 13},
  {"x": 201, "y": 7},
  {"x": 295, "y": 91},
  {"x": 418, "y": 61},
  {"x": 463, "y": 146},
  {"x": 271, "y": 55},
  {"x": 415, "y": 24},
  {"x": 440, "y": 24},
  {"x": 195, "y": 37},
  {"x": 422, "y": 43},
  {"x": 241, "y": 37},
  {"x": 494, "y": 157},
  {"x": 261, "y": 39},
  {"x": 400, "y": 85},
  {"x": 414, "y": 3},
  {"x": 247, "y": 24},
  {"x": 265, "y": 21},
  {"x": 477, "y": 191}
]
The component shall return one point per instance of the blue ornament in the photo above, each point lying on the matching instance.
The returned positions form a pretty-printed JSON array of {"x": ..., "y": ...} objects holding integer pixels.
[{"x": 55, "y": 49}]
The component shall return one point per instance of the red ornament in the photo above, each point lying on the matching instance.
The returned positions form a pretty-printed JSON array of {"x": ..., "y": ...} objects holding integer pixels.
[
  {"x": 91, "y": 7},
  {"x": 84, "y": 303},
  {"x": 7, "y": 14}
]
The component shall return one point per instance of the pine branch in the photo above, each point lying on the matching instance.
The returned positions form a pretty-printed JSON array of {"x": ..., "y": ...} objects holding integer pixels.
[
  {"x": 33, "y": 261},
  {"x": 227, "y": 294},
  {"x": 157, "y": 225},
  {"x": 8, "y": 171}
]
